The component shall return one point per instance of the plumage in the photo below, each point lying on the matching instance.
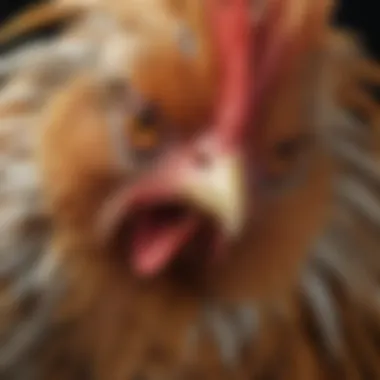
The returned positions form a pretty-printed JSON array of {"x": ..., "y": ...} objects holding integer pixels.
[{"x": 296, "y": 297}]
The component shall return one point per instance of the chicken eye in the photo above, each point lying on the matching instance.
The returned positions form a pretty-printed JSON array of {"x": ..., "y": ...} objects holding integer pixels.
[
  {"x": 286, "y": 161},
  {"x": 288, "y": 149},
  {"x": 144, "y": 133}
]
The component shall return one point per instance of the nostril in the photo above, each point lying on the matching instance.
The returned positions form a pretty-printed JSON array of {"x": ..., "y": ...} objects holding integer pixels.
[{"x": 202, "y": 159}]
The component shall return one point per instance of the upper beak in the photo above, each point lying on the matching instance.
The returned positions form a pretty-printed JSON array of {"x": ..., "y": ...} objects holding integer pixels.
[{"x": 219, "y": 190}]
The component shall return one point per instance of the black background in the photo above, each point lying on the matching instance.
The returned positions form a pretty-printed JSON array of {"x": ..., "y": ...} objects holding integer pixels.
[{"x": 362, "y": 15}]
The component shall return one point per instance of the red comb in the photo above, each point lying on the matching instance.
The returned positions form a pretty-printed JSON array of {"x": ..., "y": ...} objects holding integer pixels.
[{"x": 230, "y": 23}]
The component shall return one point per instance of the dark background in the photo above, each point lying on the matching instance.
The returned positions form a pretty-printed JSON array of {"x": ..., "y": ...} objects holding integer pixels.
[{"x": 362, "y": 15}]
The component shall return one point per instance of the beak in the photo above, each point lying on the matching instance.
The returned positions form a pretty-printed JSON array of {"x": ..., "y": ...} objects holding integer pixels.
[{"x": 218, "y": 189}]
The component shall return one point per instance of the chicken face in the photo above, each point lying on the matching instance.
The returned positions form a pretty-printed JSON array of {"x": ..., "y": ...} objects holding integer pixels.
[
  {"x": 164, "y": 163},
  {"x": 195, "y": 173}
]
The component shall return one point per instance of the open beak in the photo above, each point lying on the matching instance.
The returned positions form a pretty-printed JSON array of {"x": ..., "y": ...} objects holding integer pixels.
[{"x": 163, "y": 215}]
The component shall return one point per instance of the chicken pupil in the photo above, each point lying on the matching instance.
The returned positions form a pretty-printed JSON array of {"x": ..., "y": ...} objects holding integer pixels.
[{"x": 147, "y": 115}]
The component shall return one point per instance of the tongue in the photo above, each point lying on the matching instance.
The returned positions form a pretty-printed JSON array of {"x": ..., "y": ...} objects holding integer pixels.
[{"x": 154, "y": 246}]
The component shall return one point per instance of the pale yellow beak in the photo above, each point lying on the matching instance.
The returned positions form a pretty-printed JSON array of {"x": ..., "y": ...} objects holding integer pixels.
[{"x": 219, "y": 191}]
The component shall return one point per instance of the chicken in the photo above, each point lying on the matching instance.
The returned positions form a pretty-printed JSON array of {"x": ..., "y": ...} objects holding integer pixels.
[{"x": 187, "y": 194}]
